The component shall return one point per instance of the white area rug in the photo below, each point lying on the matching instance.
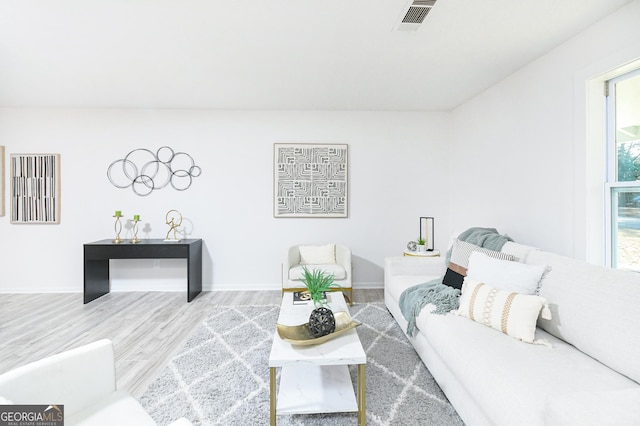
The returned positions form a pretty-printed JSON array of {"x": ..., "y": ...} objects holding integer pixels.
[{"x": 221, "y": 375}]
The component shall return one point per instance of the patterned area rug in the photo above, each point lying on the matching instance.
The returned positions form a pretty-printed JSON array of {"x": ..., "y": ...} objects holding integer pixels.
[{"x": 221, "y": 375}]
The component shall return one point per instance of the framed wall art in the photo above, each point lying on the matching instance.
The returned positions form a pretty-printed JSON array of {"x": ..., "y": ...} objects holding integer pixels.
[
  {"x": 310, "y": 180},
  {"x": 35, "y": 188}
]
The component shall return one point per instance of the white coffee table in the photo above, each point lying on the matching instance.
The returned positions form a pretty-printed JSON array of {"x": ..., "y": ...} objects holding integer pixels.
[{"x": 316, "y": 379}]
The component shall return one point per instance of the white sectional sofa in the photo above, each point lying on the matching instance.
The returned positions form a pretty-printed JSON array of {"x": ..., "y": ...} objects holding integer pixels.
[{"x": 589, "y": 375}]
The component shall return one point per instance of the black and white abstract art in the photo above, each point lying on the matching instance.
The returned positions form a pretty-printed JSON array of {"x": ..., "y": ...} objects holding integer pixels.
[
  {"x": 35, "y": 188},
  {"x": 310, "y": 180}
]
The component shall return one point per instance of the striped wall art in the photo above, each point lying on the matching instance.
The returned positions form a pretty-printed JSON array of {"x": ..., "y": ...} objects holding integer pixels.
[{"x": 35, "y": 188}]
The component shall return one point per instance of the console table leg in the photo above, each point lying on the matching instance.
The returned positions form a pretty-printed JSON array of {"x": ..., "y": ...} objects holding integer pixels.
[
  {"x": 194, "y": 271},
  {"x": 96, "y": 278}
]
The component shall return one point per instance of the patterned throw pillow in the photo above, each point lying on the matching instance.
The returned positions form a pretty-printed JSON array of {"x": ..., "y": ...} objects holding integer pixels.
[
  {"x": 457, "y": 268},
  {"x": 510, "y": 313}
]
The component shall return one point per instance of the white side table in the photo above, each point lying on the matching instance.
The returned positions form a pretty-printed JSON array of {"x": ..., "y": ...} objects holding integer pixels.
[{"x": 432, "y": 253}]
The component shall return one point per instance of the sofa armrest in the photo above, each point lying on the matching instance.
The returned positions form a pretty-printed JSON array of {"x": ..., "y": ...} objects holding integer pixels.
[
  {"x": 406, "y": 265},
  {"x": 75, "y": 378}
]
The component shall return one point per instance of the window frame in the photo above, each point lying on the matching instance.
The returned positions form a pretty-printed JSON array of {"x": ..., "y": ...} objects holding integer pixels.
[{"x": 612, "y": 186}]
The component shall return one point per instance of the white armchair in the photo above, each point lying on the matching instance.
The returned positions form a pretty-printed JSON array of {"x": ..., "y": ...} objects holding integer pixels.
[
  {"x": 84, "y": 381},
  {"x": 334, "y": 259}
]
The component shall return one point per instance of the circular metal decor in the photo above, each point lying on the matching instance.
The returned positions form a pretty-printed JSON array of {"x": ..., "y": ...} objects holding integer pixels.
[{"x": 145, "y": 171}]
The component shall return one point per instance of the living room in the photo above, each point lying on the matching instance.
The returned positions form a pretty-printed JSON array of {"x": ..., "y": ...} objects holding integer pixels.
[{"x": 522, "y": 154}]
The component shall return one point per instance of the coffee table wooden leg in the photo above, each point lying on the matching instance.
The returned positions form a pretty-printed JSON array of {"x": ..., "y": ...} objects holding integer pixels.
[
  {"x": 272, "y": 394},
  {"x": 362, "y": 395}
]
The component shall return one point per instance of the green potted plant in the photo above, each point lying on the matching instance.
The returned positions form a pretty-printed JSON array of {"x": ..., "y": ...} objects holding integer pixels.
[
  {"x": 321, "y": 320},
  {"x": 421, "y": 245}
]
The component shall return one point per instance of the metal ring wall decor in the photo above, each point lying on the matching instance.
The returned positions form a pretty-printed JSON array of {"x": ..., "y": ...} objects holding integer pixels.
[{"x": 145, "y": 171}]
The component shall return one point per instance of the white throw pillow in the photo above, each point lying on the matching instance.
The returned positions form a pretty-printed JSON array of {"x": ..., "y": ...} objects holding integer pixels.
[
  {"x": 318, "y": 255},
  {"x": 508, "y": 312},
  {"x": 505, "y": 275}
]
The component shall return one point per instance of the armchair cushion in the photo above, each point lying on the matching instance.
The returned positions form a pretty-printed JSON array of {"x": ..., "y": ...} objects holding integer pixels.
[{"x": 338, "y": 272}]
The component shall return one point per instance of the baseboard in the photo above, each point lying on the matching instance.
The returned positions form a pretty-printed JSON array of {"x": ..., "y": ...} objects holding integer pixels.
[{"x": 171, "y": 287}]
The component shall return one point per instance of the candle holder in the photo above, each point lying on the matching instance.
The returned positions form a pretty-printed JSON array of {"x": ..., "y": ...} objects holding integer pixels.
[
  {"x": 118, "y": 227},
  {"x": 135, "y": 239},
  {"x": 426, "y": 232}
]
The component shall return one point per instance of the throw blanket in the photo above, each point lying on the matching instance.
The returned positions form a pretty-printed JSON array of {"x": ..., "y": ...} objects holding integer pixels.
[{"x": 445, "y": 298}]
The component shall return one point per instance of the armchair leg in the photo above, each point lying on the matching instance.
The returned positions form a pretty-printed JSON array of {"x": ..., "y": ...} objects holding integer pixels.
[{"x": 350, "y": 296}]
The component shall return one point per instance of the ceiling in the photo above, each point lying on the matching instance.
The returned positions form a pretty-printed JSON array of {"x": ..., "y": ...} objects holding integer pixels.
[{"x": 272, "y": 54}]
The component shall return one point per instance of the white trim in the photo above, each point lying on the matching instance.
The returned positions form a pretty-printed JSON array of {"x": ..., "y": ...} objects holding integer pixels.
[
  {"x": 590, "y": 149},
  {"x": 611, "y": 162}
]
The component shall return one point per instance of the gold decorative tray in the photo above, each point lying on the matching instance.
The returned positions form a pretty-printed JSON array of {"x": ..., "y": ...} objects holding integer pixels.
[{"x": 299, "y": 334}]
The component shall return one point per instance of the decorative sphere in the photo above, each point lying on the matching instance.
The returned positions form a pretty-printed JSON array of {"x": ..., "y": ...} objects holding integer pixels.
[
  {"x": 321, "y": 322},
  {"x": 412, "y": 246}
]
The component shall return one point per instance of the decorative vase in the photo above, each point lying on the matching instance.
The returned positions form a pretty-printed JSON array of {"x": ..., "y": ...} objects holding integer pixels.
[{"x": 321, "y": 322}]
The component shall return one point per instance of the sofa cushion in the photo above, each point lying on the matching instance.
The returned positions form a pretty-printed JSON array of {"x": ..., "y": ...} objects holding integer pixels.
[
  {"x": 593, "y": 308},
  {"x": 459, "y": 261},
  {"x": 511, "y": 381},
  {"x": 620, "y": 408},
  {"x": 338, "y": 272},
  {"x": 317, "y": 255},
  {"x": 401, "y": 283},
  {"x": 508, "y": 312},
  {"x": 505, "y": 275}
]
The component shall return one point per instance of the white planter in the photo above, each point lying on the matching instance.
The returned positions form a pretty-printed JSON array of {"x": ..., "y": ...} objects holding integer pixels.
[{"x": 421, "y": 248}]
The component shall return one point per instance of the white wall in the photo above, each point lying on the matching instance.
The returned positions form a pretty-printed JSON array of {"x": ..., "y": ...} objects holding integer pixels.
[
  {"x": 521, "y": 147},
  {"x": 516, "y": 157},
  {"x": 397, "y": 164}
]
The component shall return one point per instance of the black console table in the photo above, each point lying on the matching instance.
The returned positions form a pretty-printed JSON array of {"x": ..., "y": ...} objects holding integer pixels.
[{"x": 97, "y": 255}]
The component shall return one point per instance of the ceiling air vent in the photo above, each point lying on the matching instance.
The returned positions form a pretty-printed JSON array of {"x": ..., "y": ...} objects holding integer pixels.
[{"x": 414, "y": 15}]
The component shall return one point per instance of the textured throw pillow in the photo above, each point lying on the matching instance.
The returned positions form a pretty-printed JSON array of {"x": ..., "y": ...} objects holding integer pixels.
[
  {"x": 318, "y": 255},
  {"x": 505, "y": 275},
  {"x": 508, "y": 312},
  {"x": 457, "y": 268}
]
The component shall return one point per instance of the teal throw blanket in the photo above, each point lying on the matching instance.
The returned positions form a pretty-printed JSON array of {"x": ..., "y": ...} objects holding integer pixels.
[{"x": 445, "y": 298}]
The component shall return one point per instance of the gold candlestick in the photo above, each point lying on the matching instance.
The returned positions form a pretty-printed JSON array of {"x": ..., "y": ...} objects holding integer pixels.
[
  {"x": 135, "y": 239},
  {"x": 118, "y": 227}
]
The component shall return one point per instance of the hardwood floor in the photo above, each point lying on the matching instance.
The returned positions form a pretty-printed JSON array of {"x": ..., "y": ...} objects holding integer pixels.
[{"x": 146, "y": 328}]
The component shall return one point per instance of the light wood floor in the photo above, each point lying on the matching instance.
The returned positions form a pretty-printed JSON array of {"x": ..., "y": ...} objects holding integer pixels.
[{"x": 146, "y": 328}]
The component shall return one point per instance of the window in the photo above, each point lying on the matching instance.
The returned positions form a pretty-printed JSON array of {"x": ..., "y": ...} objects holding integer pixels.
[{"x": 623, "y": 171}]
